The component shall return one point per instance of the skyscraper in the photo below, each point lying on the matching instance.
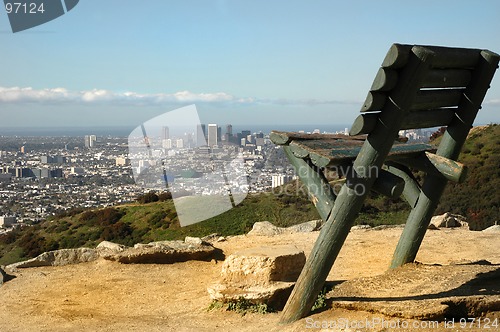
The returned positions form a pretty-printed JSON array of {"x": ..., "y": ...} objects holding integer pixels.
[
  {"x": 165, "y": 133},
  {"x": 90, "y": 141},
  {"x": 200, "y": 135},
  {"x": 212, "y": 134}
]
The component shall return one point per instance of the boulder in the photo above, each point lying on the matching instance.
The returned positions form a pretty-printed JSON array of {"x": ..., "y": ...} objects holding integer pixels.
[
  {"x": 260, "y": 275},
  {"x": 163, "y": 252},
  {"x": 265, "y": 228},
  {"x": 59, "y": 258},
  {"x": 193, "y": 240},
  {"x": 111, "y": 246},
  {"x": 448, "y": 220},
  {"x": 492, "y": 229}
]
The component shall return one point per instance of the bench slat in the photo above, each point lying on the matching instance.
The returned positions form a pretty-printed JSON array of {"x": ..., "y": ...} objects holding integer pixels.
[{"x": 324, "y": 153}]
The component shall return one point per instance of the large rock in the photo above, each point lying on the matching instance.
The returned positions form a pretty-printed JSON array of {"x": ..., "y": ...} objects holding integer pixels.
[
  {"x": 265, "y": 228},
  {"x": 164, "y": 252},
  {"x": 111, "y": 246},
  {"x": 261, "y": 275},
  {"x": 59, "y": 258},
  {"x": 448, "y": 220}
]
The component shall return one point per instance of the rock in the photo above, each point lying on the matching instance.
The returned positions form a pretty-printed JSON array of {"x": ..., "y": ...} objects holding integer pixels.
[
  {"x": 492, "y": 229},
  {"x": 59, "y": 258},
  {"x": 306, "y": 227},
  {"x": 265, "y": 228},
  {"x": 163, "y": 252},
  {"x": 353, "y": 228},
  {"x": 261, "y": 275},
  {"x": 115, "y": 247},
  {"x": 211, "y": 238},
  {"x": 3, "y": 276},
  {"x": 382, "y": 227},
  {"x": 432, "y": 227},
  {"x": 448, "y": 220},
  {"x": 193, "y": 240}
]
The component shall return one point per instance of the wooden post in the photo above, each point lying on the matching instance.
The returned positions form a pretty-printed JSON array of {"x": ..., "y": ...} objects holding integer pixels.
[
  {"x": 319, "y": 191},
  {"x": 353, "y": 193},
  {"x": 450, "y": 147}
]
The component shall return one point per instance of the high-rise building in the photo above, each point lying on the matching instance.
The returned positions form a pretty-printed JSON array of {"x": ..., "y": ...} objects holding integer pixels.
[
  {"x": 167, "y": 143},
  {"x": 165, "y": 133},
  {"x": 229, "y": 129},
  {"x": 201, "y": 135},
  {"x": 279, "y": 180},
  {"x": 179, "y": 143},
  {"x": 212, "y": 135},
  {"x": 90, "y": 141}
]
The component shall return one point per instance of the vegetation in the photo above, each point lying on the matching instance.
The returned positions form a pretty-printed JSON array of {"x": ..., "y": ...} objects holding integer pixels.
[
  {"x": 241, "y": 306},
  {"x": 478, "y": 197}
]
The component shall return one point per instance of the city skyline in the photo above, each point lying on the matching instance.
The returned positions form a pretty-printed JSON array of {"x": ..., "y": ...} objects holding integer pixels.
[{"x": 239, "y": 62}]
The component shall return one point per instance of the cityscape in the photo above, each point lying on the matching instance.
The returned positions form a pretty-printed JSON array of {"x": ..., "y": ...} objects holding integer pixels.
[{"x": 43, "y": 176}]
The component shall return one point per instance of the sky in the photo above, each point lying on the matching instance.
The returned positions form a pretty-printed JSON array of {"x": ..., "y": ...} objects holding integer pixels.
[{"x": 122, "y": 62}]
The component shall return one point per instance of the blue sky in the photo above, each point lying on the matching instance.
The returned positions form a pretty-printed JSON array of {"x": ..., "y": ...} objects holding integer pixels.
[{"x": 121, "y": 62}]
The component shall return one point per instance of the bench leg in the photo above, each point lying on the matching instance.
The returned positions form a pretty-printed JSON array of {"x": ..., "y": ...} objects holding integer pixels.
[
  {"x": 418, "y": 221},
  {"x": 323, "y": 255}
]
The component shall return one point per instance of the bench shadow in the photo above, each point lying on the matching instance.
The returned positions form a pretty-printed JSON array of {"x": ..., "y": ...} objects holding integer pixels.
[{"x": 483, "y": 284}]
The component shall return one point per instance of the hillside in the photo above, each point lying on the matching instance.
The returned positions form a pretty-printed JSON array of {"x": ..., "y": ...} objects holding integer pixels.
[
  {"x": 153, "y": 218},
  {"x": 478, "y": 198}
]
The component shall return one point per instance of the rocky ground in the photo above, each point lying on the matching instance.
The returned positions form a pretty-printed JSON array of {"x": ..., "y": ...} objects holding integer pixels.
[{"x": 106, "y": 295}]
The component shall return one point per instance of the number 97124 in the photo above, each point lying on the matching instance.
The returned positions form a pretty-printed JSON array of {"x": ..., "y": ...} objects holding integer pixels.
[{"x": 24, "y": 8}]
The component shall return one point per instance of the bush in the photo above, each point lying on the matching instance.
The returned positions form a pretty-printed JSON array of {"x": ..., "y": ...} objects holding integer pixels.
[{"x": 148, "y": 198}]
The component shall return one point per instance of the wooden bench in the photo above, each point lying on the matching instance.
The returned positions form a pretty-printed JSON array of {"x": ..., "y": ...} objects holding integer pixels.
[{"x": 416, "y": 87}]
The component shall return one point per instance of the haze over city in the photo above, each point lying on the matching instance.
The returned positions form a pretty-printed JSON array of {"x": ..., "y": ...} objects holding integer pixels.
[{"x": 117, "y": 63}]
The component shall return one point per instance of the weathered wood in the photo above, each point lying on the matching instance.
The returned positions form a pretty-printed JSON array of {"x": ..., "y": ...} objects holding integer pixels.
[
  {"x": 435, "y": 165},
  {"x": 365, "y": 123},
  {"x": 397, "y": 56},
  {"x": 444, "y": 57},
  {"x": 331, "y": 152},
  {"x": 447, "y": 78},
  {"x": 385, "y": 80},
  {"x": 350, "y": 199},
  {"x": 387, "y": 184},
  {"x": 374, "y": 101},
  {"x": 451, "y": 144},
  {"x": 431, "y": 99},
  {"x": 285, "y": 137},
  {"x": 411, "y": 189},
  {"x": 452, "y": 57},
  {"x": 319, "y": 191}
]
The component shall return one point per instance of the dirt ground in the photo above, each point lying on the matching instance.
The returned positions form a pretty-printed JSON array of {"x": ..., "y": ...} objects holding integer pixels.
[{"x": 109, "y": 296}]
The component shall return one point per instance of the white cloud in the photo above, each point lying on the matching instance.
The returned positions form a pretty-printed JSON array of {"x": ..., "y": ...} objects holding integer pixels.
[
  {"x": 493, "y": 102},
  {"x": 30, "y": 95},
  {"x": 20, "y": 95}
]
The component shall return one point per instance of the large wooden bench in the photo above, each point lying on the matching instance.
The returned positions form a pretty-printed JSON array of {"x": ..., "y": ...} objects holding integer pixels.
[{"x": 416, "y": 87}]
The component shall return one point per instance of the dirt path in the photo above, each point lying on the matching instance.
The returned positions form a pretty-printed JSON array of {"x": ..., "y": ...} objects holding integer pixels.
[{"x": 108, "y": 296}]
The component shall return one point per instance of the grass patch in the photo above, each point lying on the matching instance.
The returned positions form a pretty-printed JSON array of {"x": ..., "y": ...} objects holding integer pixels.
[{"x": 241, "y": 306}]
